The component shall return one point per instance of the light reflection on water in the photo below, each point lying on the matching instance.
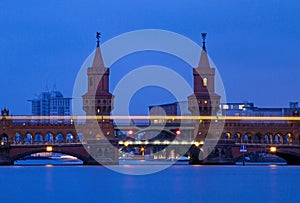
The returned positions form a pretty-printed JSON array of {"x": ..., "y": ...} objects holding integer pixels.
[{"x": 175, "y": 184}]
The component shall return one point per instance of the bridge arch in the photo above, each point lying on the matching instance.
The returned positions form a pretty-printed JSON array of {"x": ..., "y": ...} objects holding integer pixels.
[
  {"x": 49, "y": 137},
  {"x": 69, "y": 138},
  {"x": 59, "y": 138},
  {"x": 4, "y": 137},
  {"x": 80, "y": 137},
  {"x": 155, "y": 134},
  {"x": 237, "y": 137},
  {"x": 257, "y": 138},
  {"x": 289, "y": 138},
  {"x": 290, "y": 157},
  {"x": 38, "y": 138},
  {"x": 17, "y": 138},
  {"x": 227, "y": 136},
  {"x": 28, "y": 138},
  {"x": 268, "y": 138},
  {"x": 34, "y": 151},
  {"x": 278, "y": 138},
  {"x": 247, "y": 137}
]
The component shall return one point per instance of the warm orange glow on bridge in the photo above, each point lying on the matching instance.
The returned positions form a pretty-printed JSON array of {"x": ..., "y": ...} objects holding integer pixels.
[
  {"x": 197, "y": 144},
  {"x": 273, "y": 149},
  {"x": 49, "y": 148},
  {"x": 127, "y": 117}
]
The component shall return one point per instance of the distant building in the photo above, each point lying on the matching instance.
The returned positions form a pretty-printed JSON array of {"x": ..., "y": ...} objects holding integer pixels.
[
  {"x": 226, "y": 109},
  {"x": 52, "y": 104},
  {"x": 294, "y": 109},
  {"x": 249, "y": 109},
  {"x": 171, "y": 109}
]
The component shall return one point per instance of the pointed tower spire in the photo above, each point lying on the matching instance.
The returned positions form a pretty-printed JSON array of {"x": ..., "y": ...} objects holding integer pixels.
[
  {"x": 98, "y": 60},
  {"x": 203, "y": 40},
  {"x": 204, "y": 62},
  {"x": 98, "y": 35}
]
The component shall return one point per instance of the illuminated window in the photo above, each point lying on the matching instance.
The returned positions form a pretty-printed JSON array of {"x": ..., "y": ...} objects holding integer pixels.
[{"x": 204, "y": 82}]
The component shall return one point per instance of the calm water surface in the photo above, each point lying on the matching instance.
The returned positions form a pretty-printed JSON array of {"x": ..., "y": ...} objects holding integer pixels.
[{"x": 179, "y": 183}]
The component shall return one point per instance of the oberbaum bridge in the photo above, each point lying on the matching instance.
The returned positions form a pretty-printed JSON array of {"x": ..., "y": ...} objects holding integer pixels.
[{"x": 206, "y": 139}]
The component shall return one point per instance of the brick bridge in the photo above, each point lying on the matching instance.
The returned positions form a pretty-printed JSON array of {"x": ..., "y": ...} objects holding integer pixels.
[{"x": 22, "y": 137}]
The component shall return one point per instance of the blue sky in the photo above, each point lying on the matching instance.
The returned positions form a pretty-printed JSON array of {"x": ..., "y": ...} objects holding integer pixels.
[{"x": 253, "y": 43}]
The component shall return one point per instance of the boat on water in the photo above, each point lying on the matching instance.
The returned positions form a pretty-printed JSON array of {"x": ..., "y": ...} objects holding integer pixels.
[
  {"x": 63, "y": 157},
  {"x": 149, "y": 161},
  {"x": 249, "y": 163}
]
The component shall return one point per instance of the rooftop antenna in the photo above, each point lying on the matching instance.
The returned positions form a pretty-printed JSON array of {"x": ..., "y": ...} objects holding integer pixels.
[
  {"x": 54, "y": 87},
  {"x": 46, "y": 88}
]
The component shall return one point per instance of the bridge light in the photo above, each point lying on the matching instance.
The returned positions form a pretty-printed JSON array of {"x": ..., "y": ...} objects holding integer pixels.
[
  {"x": 197, "y": 144},
  {"x": 130, "y": 132},
  {"x": 49, "y": 148},
  {"x": 143, "y": 151},
  {"x": 177, "y": 132},
  {"x": 126, "y": 144},
  {"x": 273, "y": 149}
]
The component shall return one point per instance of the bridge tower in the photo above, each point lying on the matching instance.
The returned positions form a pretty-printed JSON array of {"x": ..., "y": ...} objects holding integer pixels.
[
  {"x": 204, "y": 101},
  {"x": 98, "y": 101}
]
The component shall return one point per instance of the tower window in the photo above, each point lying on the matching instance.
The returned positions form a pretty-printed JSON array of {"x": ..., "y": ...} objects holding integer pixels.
[
  {"x": 204, "y": 82},
  {"x": 91, "y": 81}
]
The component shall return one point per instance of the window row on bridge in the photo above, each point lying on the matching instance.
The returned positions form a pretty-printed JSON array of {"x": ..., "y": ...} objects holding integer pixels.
[
  {"x": 258, "y": 138},
  {"x": 38, "y": 138}
]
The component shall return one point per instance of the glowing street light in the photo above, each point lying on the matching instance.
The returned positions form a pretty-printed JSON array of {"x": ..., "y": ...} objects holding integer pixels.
[
  {"x": 273, "y": 149},
  {"x": 49, "y": 148}
]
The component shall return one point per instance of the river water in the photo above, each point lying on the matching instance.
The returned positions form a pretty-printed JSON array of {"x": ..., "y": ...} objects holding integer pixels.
[{"x": 178, "y": 183}]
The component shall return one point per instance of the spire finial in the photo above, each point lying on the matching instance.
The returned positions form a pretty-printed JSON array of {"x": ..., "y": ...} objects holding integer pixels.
[
  {"x": 204, "y": 38},
  {"x": 98, "y": 35}
]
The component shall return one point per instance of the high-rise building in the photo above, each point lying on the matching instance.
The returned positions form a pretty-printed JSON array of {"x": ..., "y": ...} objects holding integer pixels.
[{"x": 52, "y": 104}]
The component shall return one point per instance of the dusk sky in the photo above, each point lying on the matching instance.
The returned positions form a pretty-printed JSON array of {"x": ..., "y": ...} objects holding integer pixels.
[{"x": 254, "y": 45}]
